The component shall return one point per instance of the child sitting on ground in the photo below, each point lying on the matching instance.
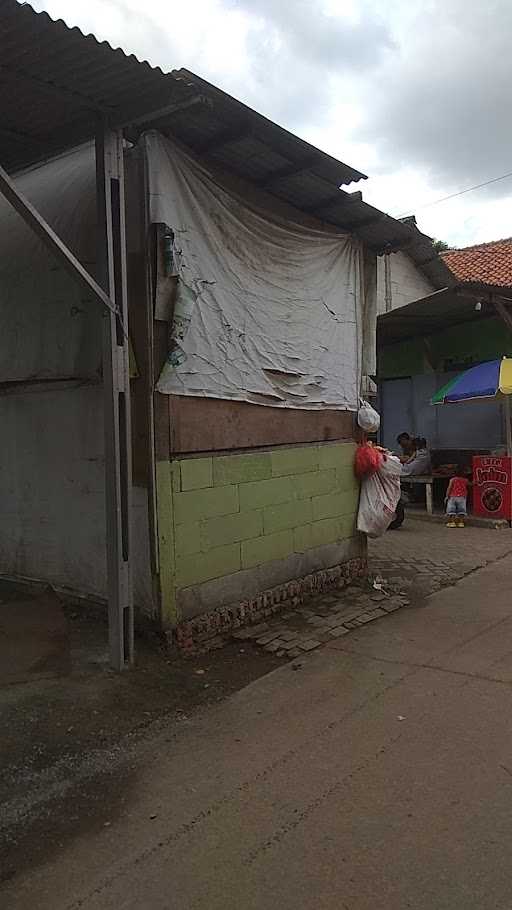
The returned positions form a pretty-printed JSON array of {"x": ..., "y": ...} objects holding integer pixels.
[{"x": 456, "y": 500}]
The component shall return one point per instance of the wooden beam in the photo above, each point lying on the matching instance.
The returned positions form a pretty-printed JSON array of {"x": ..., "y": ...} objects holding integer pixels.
[
  {"x": 288, "y": 170},
  {"x": 23, "y": 138},
  {"x": 136, "y": 126},
  {"x": 224, "y": 137},
  {"x": 504, "y": 313},
  {"x": 328, "y": 201},
  {"x": 367, "y": 222}
]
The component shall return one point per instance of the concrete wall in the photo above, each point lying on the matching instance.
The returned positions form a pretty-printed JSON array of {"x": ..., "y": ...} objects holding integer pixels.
[
  {"x": 232, "y": 526},
  {"x": 52, "y": 519},
  {"x": 408, "y": 283},
  {"x": 52, "y": 515},
  {"x": 405, "y": 405}
]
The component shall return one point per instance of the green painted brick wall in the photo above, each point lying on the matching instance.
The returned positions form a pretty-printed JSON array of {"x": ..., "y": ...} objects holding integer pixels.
[
  {"x": 256, "y": 495},
  {"x": 242, "y": 468},
  {"x": 235, "y": 512},
  {"x": 265, "y": 549},
  {"x": 288, "y": 515},
  {"x": 196, "y": 473},
  {"x": 197, "y": 505},
  {"x": 231, "y": 528},
  {"x": 315, "y": 483},
  {"x": 191, "y": 570}
]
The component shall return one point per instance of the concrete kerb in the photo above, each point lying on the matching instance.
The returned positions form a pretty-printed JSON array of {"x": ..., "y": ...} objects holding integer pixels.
[{"x": 472, "y": 521}]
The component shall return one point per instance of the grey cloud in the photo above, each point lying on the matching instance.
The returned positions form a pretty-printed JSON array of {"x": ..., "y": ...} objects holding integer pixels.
[
  {"x": 297, "y": 54},
  {"x": 441, "y": 103},
  {"x": 430, "y": 84},
  {"x": 323, "y": 39}
]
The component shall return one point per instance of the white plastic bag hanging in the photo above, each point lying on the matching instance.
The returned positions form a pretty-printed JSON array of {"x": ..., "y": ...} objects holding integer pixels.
[
  {"x": 368, "y": 418},
  {"x": 380, "y": 493}
]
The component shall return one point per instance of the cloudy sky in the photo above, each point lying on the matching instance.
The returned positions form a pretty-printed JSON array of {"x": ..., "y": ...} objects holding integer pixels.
[{"x": 412, "y": 92}]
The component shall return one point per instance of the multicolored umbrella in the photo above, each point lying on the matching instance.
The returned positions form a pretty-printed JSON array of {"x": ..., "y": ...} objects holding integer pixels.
[
  {"x": 487, "y": 380},
  {"x": 483, "y": 381}
]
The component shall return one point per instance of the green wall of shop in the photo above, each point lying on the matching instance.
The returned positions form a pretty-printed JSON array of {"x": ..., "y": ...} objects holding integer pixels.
[
  {"x": 454, "y": 348},
  {"x": 222, "y": 515}
]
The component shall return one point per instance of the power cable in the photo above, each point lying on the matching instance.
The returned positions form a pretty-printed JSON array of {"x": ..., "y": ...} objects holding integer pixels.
[{"x": 469, "y": 189}]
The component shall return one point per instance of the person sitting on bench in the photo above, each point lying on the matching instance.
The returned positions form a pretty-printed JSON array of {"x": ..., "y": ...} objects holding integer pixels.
[
  {"x": 406, "y": 443},
  {"x": 419, "y": 463}
]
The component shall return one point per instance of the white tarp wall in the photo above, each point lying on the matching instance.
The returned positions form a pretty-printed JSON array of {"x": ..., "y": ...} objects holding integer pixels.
[
  {"x": 267, "y": 311},
  {"x": 52, "y": 515}
]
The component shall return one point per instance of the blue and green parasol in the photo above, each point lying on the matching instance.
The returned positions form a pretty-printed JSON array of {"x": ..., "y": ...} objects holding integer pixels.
[{"x": 487, "y": 380}]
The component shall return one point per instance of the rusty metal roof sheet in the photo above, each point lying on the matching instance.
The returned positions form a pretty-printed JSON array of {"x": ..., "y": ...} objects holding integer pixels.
[{"x": 55, "y": 82}]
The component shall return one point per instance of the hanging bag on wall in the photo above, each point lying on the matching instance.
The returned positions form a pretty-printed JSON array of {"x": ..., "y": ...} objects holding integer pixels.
[
  {"x": 380, "y": 493},
  {"x": 368, "y": 418}
]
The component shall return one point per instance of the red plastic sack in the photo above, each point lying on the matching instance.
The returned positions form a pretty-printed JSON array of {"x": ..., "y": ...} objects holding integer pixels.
[{"x": 368, "y": 460}]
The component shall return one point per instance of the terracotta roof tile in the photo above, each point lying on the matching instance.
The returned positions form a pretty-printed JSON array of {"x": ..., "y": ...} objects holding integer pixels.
[{"x": 485, "y": 263}]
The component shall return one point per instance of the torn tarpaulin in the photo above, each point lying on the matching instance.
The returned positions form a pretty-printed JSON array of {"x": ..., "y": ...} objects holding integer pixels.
[
  {"x": 270, "y": 310},
  {"x": 182, "y": 317}
]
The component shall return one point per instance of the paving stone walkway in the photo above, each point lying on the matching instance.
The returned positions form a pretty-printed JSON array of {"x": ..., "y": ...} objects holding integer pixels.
[
  {"x": 322, "y": 618},
  {"x": 405, "y": 567},
  {"x": 422, "y": 557}
]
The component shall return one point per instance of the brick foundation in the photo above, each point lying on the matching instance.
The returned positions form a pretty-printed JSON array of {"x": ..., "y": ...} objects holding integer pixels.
[{"x": 199, "y": 634}]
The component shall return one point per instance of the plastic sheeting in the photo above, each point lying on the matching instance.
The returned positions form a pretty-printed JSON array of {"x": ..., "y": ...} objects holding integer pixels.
[
  {"x": 267, "y": 311},
  {"x": 48, "y": 328}
]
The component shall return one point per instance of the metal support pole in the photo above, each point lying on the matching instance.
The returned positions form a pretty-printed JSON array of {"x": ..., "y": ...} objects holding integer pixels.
[
  {"x": 388, "y": 287},
  {"x": 112, "y": 275}
]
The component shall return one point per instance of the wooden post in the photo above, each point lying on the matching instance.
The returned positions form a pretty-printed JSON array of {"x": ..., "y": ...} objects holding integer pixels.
[
  {"x": 428, "y": 498},
  {"x": 508, "y": 424},
  {"x": 112, "y": 275}
]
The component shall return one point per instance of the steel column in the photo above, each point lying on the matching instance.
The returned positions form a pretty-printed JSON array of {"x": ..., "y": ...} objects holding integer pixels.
[{"x": 112, "y": 275}]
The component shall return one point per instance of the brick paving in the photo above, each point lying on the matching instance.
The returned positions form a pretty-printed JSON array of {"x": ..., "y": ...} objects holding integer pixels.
[
  {"x": 405, "y": 567},
  {"x": 422, "y": 557},
  {"x": 322, "y": 618}
]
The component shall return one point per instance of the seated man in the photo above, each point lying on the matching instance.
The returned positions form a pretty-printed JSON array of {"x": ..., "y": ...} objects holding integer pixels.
[
  {"x": 420, "y": 462},
  {"x": 406, "y": 443}
]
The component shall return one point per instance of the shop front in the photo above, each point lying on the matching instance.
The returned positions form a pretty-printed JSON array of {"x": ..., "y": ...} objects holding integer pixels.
[{"x": 423, "y": 349}]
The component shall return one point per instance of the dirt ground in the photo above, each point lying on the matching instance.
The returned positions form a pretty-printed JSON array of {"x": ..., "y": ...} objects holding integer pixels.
[
  {"x": 72, "y": 744},
  {"x": 375, "y": 771},
  {"x": 62, "y": 736}
]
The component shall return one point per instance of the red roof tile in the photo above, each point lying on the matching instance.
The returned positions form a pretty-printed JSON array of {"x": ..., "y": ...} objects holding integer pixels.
[{"x": 485, "y": 263}]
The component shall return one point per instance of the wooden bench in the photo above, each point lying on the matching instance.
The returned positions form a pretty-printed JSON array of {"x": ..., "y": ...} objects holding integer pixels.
[{"x": 427, "y": 480}]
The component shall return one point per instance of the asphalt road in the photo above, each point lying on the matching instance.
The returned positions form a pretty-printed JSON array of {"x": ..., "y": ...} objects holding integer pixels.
[{"x": 378, "y": 774}]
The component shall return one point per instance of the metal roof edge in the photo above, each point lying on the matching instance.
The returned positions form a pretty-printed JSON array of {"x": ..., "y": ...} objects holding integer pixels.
[
  {"x": 61, "y": 23},
  {"x": 193, "y": 80}
]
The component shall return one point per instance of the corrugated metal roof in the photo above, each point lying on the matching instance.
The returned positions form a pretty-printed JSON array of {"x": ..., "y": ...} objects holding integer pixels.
[
  {"x": 55, "y": 82},
  {"x": 439, "y": 311}
]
